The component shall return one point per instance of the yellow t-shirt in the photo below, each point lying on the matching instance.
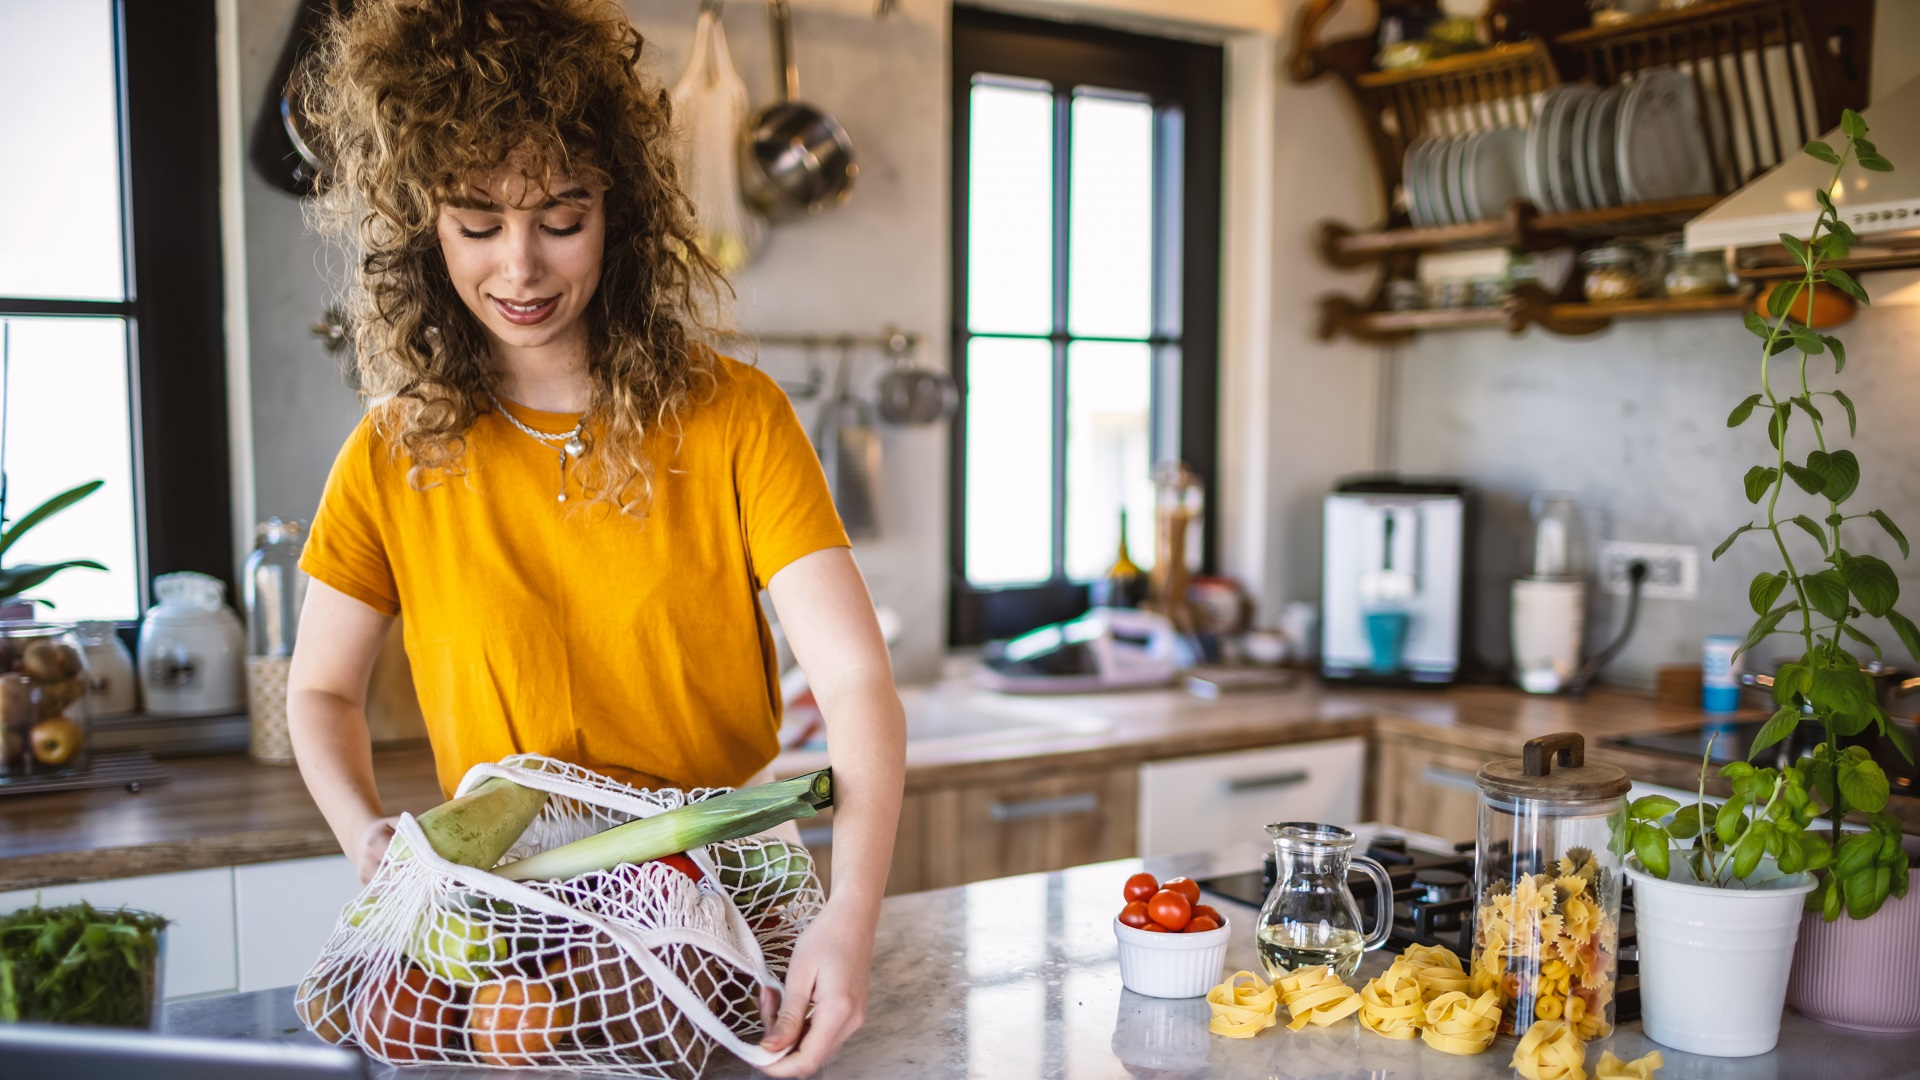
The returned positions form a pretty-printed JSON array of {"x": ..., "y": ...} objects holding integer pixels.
[{"x": 633, "y": 647}]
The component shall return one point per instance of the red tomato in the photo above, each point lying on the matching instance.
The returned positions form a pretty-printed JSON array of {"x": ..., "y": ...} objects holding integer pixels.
[
  {"x": 1155, "y": 928},
  {"x": 1135, "y": 915},
  {"x": 1169, "y": 909},
  {"x": 1185, "y": 887},
  {"x": 682, "y": 864},
  {"x": 1140, "y": 887},
  {"x": 1200, "y": 924},
  {"x": 1202, "y": 911}
]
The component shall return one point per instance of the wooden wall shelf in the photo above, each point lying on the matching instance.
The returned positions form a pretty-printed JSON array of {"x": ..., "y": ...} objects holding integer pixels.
[{"x": 1528, "y": 306}]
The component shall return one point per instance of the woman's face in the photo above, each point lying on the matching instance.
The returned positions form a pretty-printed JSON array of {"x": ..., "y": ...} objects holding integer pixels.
[{"x": 525, "y": 260}]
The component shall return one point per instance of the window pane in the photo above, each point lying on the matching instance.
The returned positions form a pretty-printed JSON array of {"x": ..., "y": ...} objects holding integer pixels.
[
  {"x": 67, "y": 423},
  {"x": 1009, "y": 461},
  {"x": 1110, "y": 261},
  {"x": 60, "y": 138},
  {"x": 1109, "y": 388},
  {"x": 1010, "y": 210}
]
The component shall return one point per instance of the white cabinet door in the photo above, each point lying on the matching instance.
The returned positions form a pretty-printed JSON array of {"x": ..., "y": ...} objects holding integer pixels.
[
  {"x": 285, "y": 911},
  {"x": 1187, "y": 804},
  {"x": 199, "y": 944}
]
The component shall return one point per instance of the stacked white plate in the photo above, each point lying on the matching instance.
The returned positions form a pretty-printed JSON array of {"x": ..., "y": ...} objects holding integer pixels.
[
  {"x": 1471, "y": 176},
  {"x": 1638, "y": 142}
]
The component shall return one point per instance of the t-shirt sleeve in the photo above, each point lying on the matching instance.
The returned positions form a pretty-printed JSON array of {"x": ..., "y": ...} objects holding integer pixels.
[
  {"x": 346, "y": 548},
  {"x": 785, "y": 506}
]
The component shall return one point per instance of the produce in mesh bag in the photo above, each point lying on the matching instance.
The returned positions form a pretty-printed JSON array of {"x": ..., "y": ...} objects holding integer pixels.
[{"x": 615, "y": 953}]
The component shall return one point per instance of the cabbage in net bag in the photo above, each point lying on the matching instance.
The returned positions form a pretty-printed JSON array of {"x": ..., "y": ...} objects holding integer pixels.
[{"x": 635, "y": 971}]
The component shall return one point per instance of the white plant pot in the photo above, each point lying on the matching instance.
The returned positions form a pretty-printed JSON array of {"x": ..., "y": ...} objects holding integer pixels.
[{"x": 1714, "y": 962}]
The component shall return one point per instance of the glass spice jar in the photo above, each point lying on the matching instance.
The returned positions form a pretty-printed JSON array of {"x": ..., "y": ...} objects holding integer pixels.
[
  {"x": 43, "y": 700},
  {"x": 1614, "y": 272},
  {"x": 1694, "y": 273},
  {"x": 1547, "y": 887}
]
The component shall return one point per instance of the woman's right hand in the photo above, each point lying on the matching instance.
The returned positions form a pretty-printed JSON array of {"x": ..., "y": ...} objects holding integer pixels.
[{"x": 372, "y": 848}]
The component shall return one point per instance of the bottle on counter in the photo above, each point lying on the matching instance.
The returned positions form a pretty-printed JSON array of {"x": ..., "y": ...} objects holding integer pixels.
[
  {"x": 276, "y": 588},
  {"x": 113, "y": 688},
  {"x": 1124, "y": 585}
]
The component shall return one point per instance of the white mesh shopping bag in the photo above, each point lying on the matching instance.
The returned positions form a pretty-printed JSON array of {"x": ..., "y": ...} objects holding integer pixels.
[{"x": 636, "y": 971}]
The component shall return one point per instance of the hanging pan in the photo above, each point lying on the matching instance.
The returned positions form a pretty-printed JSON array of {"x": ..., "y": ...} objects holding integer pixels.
[{"x": 795, "y": 159}]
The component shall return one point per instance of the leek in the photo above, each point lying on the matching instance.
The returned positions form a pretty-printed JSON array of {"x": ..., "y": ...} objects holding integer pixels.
[
  {"x": 724, "y": 817},
  {"x": 477, "y": 828}
]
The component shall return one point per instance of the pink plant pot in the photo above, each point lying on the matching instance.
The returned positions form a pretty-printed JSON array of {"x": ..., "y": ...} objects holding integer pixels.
[{"x": 1858, "y": 974}]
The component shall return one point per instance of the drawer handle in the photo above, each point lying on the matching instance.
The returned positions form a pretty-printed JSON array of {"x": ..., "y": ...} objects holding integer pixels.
[
  {"x": 1441, "y": 776},
  {"x": 817, "y": 836},
  {"x": 1060, "y": 806},
  {"x": 1241, "y": 784}
]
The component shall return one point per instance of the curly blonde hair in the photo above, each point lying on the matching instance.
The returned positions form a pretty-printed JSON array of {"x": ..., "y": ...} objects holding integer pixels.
[{"x": 410, "y": 100}]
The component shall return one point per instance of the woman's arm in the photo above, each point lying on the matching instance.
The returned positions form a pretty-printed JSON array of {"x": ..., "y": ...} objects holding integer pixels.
[
  {"x": 327, "y": 718},
  {"x": 828, "y": 617}
]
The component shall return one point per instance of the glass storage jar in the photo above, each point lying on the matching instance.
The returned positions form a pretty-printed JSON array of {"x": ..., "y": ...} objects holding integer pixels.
[
  {"x": 43, "y": 700},
  {"x": 1547, "y": 887},
  {"x": 1694, "y": 273},
  {"x": 1614, "y": 272}
]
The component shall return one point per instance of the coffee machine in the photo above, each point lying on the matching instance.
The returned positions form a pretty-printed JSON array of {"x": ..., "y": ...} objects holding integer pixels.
[{"x": 1392, "y": 582}]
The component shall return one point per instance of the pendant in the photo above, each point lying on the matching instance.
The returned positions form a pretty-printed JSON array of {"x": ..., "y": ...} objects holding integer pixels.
[{"x": 575, "y": 446}]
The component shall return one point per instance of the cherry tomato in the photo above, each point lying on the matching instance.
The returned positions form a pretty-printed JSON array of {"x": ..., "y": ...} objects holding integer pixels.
[
  {"x": 1202, "y": 911},
  {"x": 682, "y": 864},
  {"x": 1185, "y": 887},
  {"x": 1135, "y": 915},
  {"x": 1169, "y": 909},
  {"x": 1200, "y": 924},
  {"x": 1140, "y": 887},
  {"x": 1155, "y": 928}
]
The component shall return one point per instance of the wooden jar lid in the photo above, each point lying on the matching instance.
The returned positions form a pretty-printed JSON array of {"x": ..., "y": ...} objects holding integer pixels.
[{"x": 1554, "y": 769}]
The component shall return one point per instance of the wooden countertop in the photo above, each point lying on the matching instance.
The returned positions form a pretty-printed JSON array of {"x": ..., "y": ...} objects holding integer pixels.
[{"x": 220, "y": 811}]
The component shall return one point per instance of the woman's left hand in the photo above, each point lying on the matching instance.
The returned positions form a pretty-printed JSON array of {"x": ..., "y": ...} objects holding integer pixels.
[{"x": 830, "y": 969}]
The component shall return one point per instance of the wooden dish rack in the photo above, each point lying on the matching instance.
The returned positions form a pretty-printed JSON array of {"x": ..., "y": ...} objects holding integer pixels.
[{"x": 1769, "y": 75}]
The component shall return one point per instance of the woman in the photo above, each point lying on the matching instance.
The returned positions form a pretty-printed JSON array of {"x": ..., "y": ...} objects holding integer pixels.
[{"x": 572, "y": 500}]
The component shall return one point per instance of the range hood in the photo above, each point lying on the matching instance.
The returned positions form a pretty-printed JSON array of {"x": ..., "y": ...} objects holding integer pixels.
[{"x": 1882, "y": 208}]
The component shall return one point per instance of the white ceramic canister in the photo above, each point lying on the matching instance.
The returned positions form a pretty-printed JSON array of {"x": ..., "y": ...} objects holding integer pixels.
[
  {"x": 113, "y": 689},
  {"x": 192, "y": 649},
  {"x": 1698, "y": 943}
]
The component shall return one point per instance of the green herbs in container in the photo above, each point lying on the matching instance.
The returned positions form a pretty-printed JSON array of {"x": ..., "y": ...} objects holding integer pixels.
[{"x": 76, "y": 965}]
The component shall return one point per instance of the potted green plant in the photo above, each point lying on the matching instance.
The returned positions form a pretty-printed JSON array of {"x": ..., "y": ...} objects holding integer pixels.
[
  {"x": 1844, "y": 973},
  {"x": 1727, "y": 903},
  {"x": 15, "y": 580}
]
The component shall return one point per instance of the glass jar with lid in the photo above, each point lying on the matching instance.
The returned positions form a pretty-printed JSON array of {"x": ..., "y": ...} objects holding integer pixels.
[
  {"x": 43, "y": 701},
  {"x": 1547, "y": 887},
  {"x": 1694, "y": 273},
  {"x": 1613, "y": 272}
]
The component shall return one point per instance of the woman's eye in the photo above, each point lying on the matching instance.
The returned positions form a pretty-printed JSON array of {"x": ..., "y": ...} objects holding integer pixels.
[
  {"x": 478, "y": 235},
  {"x": 568, "y": 231}
]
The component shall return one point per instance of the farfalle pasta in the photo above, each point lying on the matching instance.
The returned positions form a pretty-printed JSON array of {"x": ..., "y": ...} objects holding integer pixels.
[
  {"x": 1316, "y": 995},
  {"x": 1544, "y": 945},
  {"x": 1550, "y": 1050},
  {"x": 1640, "y": 1068},
  {"x": 1242, "y": 1012}
]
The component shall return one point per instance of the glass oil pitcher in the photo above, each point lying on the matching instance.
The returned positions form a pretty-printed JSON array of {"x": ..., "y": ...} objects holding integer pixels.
[{"x": 1310, "y": 917}]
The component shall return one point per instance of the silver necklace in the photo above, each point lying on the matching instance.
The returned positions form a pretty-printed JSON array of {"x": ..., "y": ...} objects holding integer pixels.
[{"x": 569, "y": 443}]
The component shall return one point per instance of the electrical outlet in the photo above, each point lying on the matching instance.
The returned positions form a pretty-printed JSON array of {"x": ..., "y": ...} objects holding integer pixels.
[{"x": 1673, "y": 570}]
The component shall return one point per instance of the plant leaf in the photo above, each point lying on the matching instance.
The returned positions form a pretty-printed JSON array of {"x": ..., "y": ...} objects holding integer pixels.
[
  {"x": 1812, "y": 527},
  {"x": 1909, "y": 633},
  {"x": 1764, "y": 590},
  {"x": 1842, "y": 475},
  {"x": 1827, "y": 592},
  {"x": 1864, "y": 785},
  {"x": 1851, "y": 124},
  {"x": 1805, "y": 401},
  {"x": 1686, "y": 822},
  {"x": 1839, "y": 352},
  {"x": 1765, "y": 625},
  {"x": 1853, "y": 632},
  {"x": 1650, "y": 846},
  {"x": 1777, "y": 423},
  {"x": 1653, "y": 807},
  {"x": 17, "y": 579},
  {"x": 1892, "y": 530},
  {"x": 1743, "y": 410},
  {"x": 1808, "y": 341},
  {"x": 1821, "y": 150},
  {"x": 44, "y": 511},
  {"x": 1795, "y": 245},
  {"x": 1759, "y": 481},
  {"x": 1809, "y": 480},
  {"x": 1843, "y": 690},
  {"x": 1873, "y": 582},
  {"x": 1875, "y": 163},
  {"x": 1781, "y": 297},
  {"x": 1731, "y": 537},
  {"x": 1789, "y": 680},
  {"x": 1779, "y": 726},
  {"x": 1757, "y": 326},
  {"x": 1846, "y": 403},
  {"x": 1843, "y": 281}
]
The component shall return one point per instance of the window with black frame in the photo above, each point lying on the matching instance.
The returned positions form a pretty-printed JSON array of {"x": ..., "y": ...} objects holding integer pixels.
[
  {"x": 1086, "y": 238},
  {"x": 113, "y": 366}
]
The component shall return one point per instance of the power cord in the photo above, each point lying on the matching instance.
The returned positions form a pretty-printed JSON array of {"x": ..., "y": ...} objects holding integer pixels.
[{"x": 1583, "y": 679}]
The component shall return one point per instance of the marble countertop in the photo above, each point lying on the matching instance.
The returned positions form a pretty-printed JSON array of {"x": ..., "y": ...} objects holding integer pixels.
[
  {"x": 1017, "y": 979},
  {"x": 226, "y": 810}
]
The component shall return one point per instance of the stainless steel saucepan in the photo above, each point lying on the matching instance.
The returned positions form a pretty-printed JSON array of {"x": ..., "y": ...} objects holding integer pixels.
[{"x": 795, "y": 159}]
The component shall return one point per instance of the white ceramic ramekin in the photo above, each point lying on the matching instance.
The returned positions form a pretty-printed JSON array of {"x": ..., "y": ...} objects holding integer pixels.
[{"x": 1171, "y": 965}]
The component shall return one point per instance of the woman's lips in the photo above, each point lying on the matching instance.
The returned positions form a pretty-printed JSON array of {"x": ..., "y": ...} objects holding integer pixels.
[{"x": 525, "y": 314}]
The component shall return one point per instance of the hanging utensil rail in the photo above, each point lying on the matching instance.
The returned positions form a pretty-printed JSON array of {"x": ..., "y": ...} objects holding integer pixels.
[{"x": 889, "y": 341}]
